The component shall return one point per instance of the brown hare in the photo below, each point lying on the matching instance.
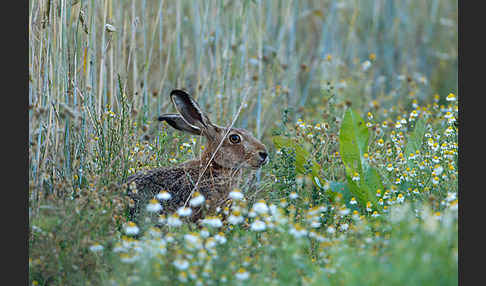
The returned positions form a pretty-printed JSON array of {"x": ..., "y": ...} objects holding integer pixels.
[{"x": 213, "y": 175}]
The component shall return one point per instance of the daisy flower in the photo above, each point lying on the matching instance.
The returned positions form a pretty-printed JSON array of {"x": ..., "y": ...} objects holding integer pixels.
[
  {"x": 344, "y": 227},
  {"x": 298, "y": 231},
  {"x": 96, "y": 247},
  {"x": 181, "y": 264},
  {"x": 128, "y": 258},
  {"x": 153, "y": 206},
  {"x": 451, "y": 97},
  {"x": 182, "y": 277},
  {"x": 174, "y": 221},
  {"x": 236, "y": 195},
  {"x": 196, "y": 200},
  {"x": 235, "y": 218},
  {"x": 212, "y": 221},
  {"x": 366, "y": 65},
  {"x": 368, "y": 206},
  {"x": 242, "y": 274},
  {"x": 193, "y": 240},
  {"x": 260, "y": 207},
  {"x": 331, "y": 230},
  {"x": 163, "y": 196},
  {"x": 131, "y": 228},
  {"x": 183, "y": 211},
  {"x": 258, "y": 225},
  {"x": 451, "y": 197},
  {"x": 220, "y": 238},
  {"x": 400, "y": 198}
]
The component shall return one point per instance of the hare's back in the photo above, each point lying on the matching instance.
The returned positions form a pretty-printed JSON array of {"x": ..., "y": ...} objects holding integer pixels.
[{"x": 176, "y": 181}]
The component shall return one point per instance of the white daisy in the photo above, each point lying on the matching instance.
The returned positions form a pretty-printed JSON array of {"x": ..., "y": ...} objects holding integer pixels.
[
  {"x": 196, "y": 200},
  {"x": 193, "y": 241},
  {"x": 96, "y": 247},
  {"x": 260, "y": 207},
  {"x": 400, "y": 198},
  {"x": 451, "y": 97},
  {"x": 331, "y": 230},
  {"x": 220, "y": 238},
  {"x": 315, "y": 224},
  {"x": 366, "y": 65},
  {"x": 211, "y": 243},
  {"x": 258, "y": 225},
  {"x": 236, "y": 195},
  {"x": 174, "y": 221},
  {"x": 183, "y": 211},
  {"x": 235, "y": 219},
  {"x": 212, "y": 222},
  {"x": 181, "y": 264},
  {"x": 298, "y": 231},
  {"x": 128, "y": 258},
  {"x": 242, "y": 274},
  {"x": 163, "y": 195},
  {"x": 451, "y": 197},
  {"x": 154, "y": 206},
  {"x": 131, "y": 228},
  {"x": 204, "y": 233},
  {"x": 344, "y": 227}
]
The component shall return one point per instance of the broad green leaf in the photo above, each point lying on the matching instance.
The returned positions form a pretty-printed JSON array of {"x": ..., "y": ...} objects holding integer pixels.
[
  {"x": 372, "y": 182},
  {"x": 353, "y": 141},
  {"x": 361, "y": 194},
  {"x": 365, "y": 189},
  {"x": 416, "y": 138},
  {"x": 353, "y": 144}
]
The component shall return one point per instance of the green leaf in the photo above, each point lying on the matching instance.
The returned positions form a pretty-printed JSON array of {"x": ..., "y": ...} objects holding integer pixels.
[
  {"x": 416, "y": 138},
  {"x": 353, "y": 144},
  {"x": 361, "y": 194},
  {"x": 365, "y": 189},
  {"x": 353, "y": 138},
  {"x": 372, "y": 182}
]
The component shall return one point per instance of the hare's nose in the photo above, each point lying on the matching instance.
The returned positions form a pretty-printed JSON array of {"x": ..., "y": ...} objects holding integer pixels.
[{"x": 263, "y": 155}]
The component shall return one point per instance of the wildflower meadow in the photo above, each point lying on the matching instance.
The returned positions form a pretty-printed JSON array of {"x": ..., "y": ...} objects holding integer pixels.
[{"x": 355, "y": 101}]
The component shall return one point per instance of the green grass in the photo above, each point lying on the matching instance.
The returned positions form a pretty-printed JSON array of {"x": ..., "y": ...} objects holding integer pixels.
[{"x": 324, "y": 84}]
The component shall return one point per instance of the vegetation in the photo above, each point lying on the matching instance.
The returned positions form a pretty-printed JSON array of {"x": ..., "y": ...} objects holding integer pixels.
[{"x": 355, "y": 100}]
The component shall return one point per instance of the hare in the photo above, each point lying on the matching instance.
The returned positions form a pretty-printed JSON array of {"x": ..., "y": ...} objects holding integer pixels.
[{"x": 213, "y": 175}]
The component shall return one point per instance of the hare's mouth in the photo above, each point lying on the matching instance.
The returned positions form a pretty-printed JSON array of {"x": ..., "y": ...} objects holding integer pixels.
[
  {"x": 265, "y": 161},
  {"x": 260, "y": 163},
  {"x": 262, "y": 158}
]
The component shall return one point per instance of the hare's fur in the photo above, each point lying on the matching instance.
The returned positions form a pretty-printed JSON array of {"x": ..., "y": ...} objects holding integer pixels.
[{"x": 214, "y": 175}]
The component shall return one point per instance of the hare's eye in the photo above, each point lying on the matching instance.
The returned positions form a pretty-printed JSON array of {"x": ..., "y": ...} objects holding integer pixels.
[{"x": 235, "y": 138}]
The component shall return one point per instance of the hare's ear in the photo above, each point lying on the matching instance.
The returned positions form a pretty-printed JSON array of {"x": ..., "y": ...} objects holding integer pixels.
[
  {"x": 191, "y": 113},
  {"x": 176, "y": 121}
]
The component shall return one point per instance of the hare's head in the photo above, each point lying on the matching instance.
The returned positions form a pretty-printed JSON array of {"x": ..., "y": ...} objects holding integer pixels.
[{"x": 235, "y": 148}]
